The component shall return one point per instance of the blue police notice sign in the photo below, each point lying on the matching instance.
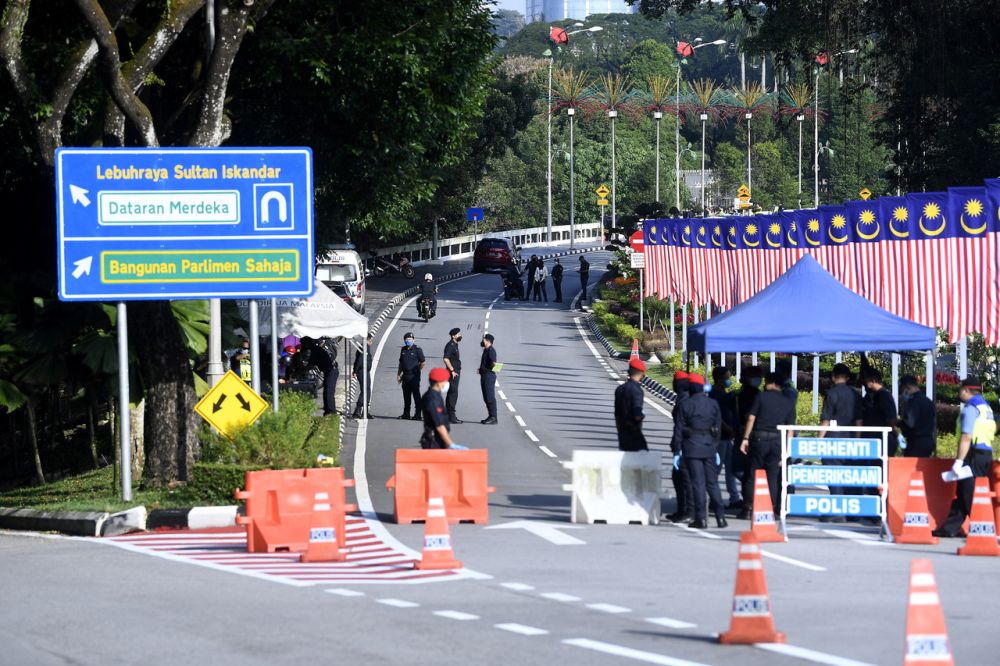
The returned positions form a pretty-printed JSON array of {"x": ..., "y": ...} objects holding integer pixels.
[
  {"x": 474, "y": 214},
  {"x": 834, "y": 505},
  {"x": 834, "y": 475},
  {"x": 835, "y": 447},
  {"x": 184, "y": 223}
]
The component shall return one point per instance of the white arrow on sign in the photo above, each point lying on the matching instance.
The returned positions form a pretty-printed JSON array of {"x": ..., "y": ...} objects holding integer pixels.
[
  {"x": 547, "y": 531},
  {"x": 82, "y": 266},
  {"x": 265, "y": 213},
  {"x": 79, "y": 195}
]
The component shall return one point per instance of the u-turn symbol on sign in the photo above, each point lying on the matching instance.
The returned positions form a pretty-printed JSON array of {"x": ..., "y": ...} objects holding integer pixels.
[{"x": 273, "y": 209}]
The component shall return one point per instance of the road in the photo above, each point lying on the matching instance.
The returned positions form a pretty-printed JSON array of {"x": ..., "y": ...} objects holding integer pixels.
[{"x": 599, "y": 595}]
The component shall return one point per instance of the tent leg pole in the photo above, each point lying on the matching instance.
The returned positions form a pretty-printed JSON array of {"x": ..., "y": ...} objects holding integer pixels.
[
  {"x": 963, "y": 357},
  {"x": 795, "y": 370},
  {"x": 929, "y": 370},
  {"x": 697, "y": 318},
  {"x": 773, "y": 362},
  {"x": 673, "y": 345},
  {"x": 895, "y": 378},
  {"x": 839, "y": 357},
  {"x": 753, "y": 358},
  {"x": 815, "y": 405},
  {"x": 739, "y": 365}
]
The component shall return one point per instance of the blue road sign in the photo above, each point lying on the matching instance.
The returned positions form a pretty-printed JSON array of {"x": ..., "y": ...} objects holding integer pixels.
[
  {"x": 868, "y": 476},
  {"x": 834, "y": 505},
  {"x": 844, "y": 448},
  {"x": 184, "y": 223},
  {"x": 474, "y": 214}
]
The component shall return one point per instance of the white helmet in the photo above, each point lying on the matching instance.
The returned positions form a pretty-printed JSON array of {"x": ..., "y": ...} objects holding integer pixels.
[{"x": 428, "y": 276}]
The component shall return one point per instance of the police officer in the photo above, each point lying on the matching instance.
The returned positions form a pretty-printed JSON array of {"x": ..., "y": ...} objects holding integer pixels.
[
  {"x": 844, "y": 406},
  {"x": 557, "y": 275},
  {"x": 428, "y": 290},
  {"x": 532, "y": 269},
  {"x": 411, "y": 362},
  {"x": 362, "y": 372},
  {"x": 488, "y": 379},
  {"x": 240, "y": 361},
  {"x": 323, "y": 361},
  {"x": 453, "y": 363},
  {"x": 917, "y": 419},
  {"x": 721, "y": 381},
  {"x": 628, "y": 409},
  {"x": 976, "y": 429},
  {"x": 436, "y": 431},
  {"x": 584, "y": 278},
  {"x": 880, "y": 408},
  {"x": 762, "y": 441},
  {"x": 700, "y": 422},
  {"x": 679, "y": 475}
]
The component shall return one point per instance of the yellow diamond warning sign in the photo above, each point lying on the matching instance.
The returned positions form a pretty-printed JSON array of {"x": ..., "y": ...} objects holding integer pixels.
[
  {"x": 603, "y": 191},
  {"x": 865, "y": 193},
  {"x": 743, "y": 193},
  {"x": 230, "y": 405}
]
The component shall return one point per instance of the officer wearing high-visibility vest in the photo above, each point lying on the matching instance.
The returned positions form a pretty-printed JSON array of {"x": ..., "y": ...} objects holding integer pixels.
[
  {"x": 700, "y": 422},
  {"x": 240, "y": 361},
  {"x": 976, "y": 429}
]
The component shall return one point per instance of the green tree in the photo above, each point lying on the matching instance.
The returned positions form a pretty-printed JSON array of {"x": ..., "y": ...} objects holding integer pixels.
[{"x": 648, "y": 59}]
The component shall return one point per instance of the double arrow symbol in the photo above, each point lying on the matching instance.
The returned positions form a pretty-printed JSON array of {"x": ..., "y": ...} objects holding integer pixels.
[{"x": 222, "y": 398}]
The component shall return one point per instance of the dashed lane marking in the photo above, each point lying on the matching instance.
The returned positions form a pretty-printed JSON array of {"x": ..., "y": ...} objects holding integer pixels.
[
  {"x": 456, "y": 615},
  {"x": 398, "y": 603},
  {"x": 503, "y": 396},
  {"x": 522, "y": 629},
  {"x": 809, "y": 655},
  {"x": 609, "y": 608},
  {"x": 704, "y": 533},
  {"x": 792, "y": 561},
  {"x": 518, "y": 587},
  {"x": 547, "y": 452},
  {"x": 510, "y": 407},
  {"x": 531, "y": 435},
  {"x": 856, "y": 537},
  {"x": 671, "y": 623},
  {"x": 519, "y": 420},
  {"x": 341, "y": 592},
  {"x": 629, "y": 653},
  {"x": 559, "y": 596}
]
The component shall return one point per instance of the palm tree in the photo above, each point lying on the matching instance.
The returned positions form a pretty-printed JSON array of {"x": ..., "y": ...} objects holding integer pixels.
[
  {"x": 572, "y": 92},
  {"x": 706, "y": 100},
  {"x": 749, "y": 100},
  {"x": 614, "y": 95},
  {"x": 658, "y": 93},
  {"x": 796, "y": 102}
]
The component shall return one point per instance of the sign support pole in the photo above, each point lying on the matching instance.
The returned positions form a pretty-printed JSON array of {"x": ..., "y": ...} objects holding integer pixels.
[
  {"x": 124, "y": 420},
  {"x": 641, "y": 299},
  {"x": 274, "y": 354},
  {"x": 254, "y": 347},
  {"x": 215, "y": 368}
]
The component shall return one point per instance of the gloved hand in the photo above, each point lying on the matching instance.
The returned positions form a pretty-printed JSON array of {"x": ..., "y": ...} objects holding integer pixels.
[
  {"x": 677, "y": 461},
  {"x": 718, "y": 460}
]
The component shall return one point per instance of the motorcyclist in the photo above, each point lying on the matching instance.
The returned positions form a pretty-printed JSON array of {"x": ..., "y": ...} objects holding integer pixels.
[
  {"x": 428, "y": 290},
  {"x": 512, "y": 283}
]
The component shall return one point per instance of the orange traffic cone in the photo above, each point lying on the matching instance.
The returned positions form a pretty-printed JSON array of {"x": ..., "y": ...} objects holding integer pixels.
[
  {"x": 764, "y": 524},
  {"x": 323, "y": 546},
  {"x": 751, "y": 621},
  {"x": 635, "y": 348},
  {"x": 916, "y": 520},
  {"x": 982, "y": 539},
  {"x": 926, "y": 636},
  {"x": 437, "y": 539}
]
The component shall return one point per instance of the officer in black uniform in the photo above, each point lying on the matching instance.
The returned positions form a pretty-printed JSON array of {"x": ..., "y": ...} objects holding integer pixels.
[
  {"x": 557, "y": 274},
  {"x": 880, "y": 408},
  {"x": 411, "y": 362},
  {"x": 918, "y": 419},
  {"x": 843, "y": 405},
  {"x": 364, "y": 380},
  {"x": 700, "y": 422},
  {"x": 436, "y": 431},
  {"x": 679, "y": 475},
  {"x": 584, "y": 278},
  {"x": 762, "y": 441},
  {"x": 628, "y": 409},
  {"x": 488, "y": 379},
  {"x": 453, "y": 362},
  {"x": 316, "y": 356}
]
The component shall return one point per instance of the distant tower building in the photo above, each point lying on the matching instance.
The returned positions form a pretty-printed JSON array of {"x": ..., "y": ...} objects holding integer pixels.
[{"x": 577, "y": 10}]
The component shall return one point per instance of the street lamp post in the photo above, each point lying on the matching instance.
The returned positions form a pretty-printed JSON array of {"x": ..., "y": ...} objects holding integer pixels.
[
  {"x": 657, "y": 115},
  {"x": 572, "y": 185},
  {"x": 613, "y": 114},
  {"x": 704, "y": 119},
  {"x": 816, "y": 145},
  {"x": 800, "y": 117},
  {"x": 681, "y": 47}
]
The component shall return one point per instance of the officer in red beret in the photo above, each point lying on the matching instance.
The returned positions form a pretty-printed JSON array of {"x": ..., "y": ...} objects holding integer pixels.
[
  {"x": 628, "y": 409},
  {"x": 700, "y": 423},
  {"x": 436, "y": 429}
]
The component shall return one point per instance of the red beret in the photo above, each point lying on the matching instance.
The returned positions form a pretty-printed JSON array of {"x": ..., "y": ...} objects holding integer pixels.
[
  {"x": 680, "y": 374},
  {"x": 440, "y": 375},
  {"x": 636, "y": 363},
  {"x": 695, "y": 378}
]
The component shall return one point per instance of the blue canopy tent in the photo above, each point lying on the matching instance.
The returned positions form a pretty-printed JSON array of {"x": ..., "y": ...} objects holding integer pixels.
[{"x": 807, "y": 310}]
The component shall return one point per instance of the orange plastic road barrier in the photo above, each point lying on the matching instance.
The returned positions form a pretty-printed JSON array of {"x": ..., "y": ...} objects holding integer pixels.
[
  {"x": 939, "y": 494},
  {"x": 457, "y": 477},
  {"x": 324, "y": 533},
  {"x": 926, "y": 635},
  {"x": 764, "y": 525},
  {"x": 916, "y": 521},
  {"x": 438, "y": 553},
  {"x": 751, "y": 621},
  {"x": 982, "y": 539},
  {"x": 996, "y": 491},
  {"x": 279, "y": 506}
]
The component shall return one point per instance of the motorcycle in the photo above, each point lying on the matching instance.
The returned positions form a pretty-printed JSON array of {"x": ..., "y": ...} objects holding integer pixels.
[
  {"x": 425, "y": 308},
  {"x": 380, "y": 265}
]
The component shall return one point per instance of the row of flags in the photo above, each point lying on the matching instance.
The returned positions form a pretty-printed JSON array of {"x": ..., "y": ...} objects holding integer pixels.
[{"x": 931, "y": 257}]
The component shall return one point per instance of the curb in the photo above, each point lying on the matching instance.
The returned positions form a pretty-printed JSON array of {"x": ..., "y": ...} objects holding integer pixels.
[
  {"x": 76, "y": 523},
  {"x": 104, "y": 524},
  {"x": 655, "y": 387},
  {"x": 199, "y": 517}
]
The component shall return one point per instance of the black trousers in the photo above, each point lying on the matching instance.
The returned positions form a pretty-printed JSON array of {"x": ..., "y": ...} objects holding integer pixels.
[
  {"x": 358, "y": 408},
  {"x": 583, "y": 287},
  {"x": 541, "y": 291},
  {"x": 557, "y": 285},
  {"x": 980, "y": 461},
  {"x": 452, "y": 398},
  {"x": 704, "y": 475},
  {"x": 531, "y": 285},
  {"x": 764, "y": 454},
  {"x": 329, "y": 391},
  {"x": 920, "y": 447},
  {"x": 682, "y": 486},
  {"x": 488, "y": 382},
  {"x": 411, "y": 391}
]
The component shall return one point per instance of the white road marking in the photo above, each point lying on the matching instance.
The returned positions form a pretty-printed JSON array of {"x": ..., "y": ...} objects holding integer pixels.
[
  {"x": 671, "y": 622},
  {"x": 793, "y": 562},
  {"x": 510, "y": 407},
  {"x": 486, "y": 325},
  {"x": 517, "y": 587},
  {"x": 341, "y": 592},
  {"x": 524, "y": 630},
  {"x": 398, "y": 603},
  {"x": 549, "y": 532},
  {"x": 707, "y": 535},
  {"x": 532, "y": 437},
  {"x": 809, "y": 655},
  {"x": 609, "y": 608},
  {"x": 856, "y": 537},
  {"x": 503, "y": 396},
  {"x": 488, "y": 313},
  {"x": 456, "y": 615},
  {"x": 559, "y": 596},
  {"x": 547, "y": 451},
  {"x": 519, "y": 420},
  {"x": 629, "y": 653}
]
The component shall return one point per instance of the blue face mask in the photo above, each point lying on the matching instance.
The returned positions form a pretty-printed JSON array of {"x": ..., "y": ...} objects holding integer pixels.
[
  {"x": 408, "y": 343},
  {"x": 708, "y": 388},
  {"x": 729, "y": 382}
]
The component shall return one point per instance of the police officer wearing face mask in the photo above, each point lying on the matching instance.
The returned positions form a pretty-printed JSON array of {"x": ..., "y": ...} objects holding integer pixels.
[
  {"x": 679, "y": 475},
  {"x": 750, "y": 388},
  {"x": 453, "y": 362},
  {"x": 762, "y": 440},
  {"x": 488, "y": 379},
  {"x": 700, "y": 422},
  {"x": 918, "y": 419},
  {"x": 721, "y": 381},
  {"x": 436, "y": 431},
  {"x": 411, "y": 362}
]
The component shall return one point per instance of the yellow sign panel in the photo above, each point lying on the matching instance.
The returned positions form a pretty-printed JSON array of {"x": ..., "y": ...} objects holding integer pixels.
[
  {"x": 743, "y": 193},
  {"x": 603, "y": 202},
  {"x": 230, "y": 405},
  {"x": 603, "y": 191},
  {"x": 865, "y": 193}
]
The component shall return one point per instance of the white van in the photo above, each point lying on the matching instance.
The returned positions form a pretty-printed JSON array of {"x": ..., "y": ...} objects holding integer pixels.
[{"x": 343, "y": 271}]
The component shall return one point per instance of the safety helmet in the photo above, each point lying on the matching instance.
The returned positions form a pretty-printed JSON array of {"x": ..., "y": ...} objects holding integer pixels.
[{"x": 428, "y": 276}]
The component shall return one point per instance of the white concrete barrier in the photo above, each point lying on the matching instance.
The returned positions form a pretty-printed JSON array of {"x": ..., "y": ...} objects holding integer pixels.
[{"x": 615, "y": 487}]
